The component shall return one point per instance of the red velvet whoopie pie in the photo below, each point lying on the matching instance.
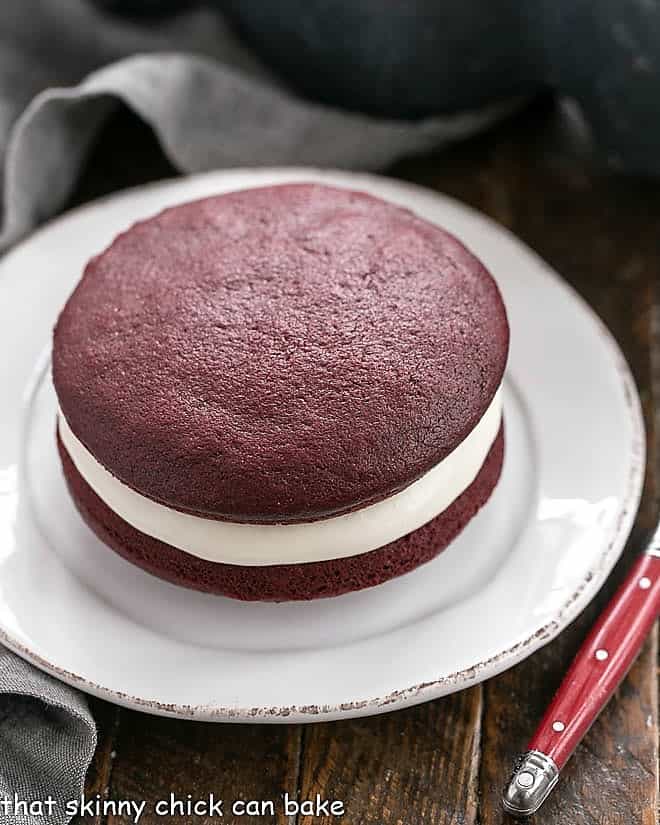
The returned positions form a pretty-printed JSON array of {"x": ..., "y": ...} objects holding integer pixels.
[{"x": 281, "y": 393}]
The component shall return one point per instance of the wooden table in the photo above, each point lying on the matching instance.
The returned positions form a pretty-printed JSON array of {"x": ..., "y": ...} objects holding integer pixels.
[{"x": 446, "y": 761}]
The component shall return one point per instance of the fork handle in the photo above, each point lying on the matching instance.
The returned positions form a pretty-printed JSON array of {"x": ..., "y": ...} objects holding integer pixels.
[{"x": 596, "y": 672}]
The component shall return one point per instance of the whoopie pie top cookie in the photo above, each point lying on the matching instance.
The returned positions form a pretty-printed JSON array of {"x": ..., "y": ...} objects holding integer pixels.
[{"x": 279, "y": 354}]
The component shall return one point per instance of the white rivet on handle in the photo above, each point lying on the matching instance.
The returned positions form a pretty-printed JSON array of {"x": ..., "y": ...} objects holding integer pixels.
[
  {"x": 602, "y": 654},
  {"x": 525, "y": 779},
  {"x": 645, "y": 583},
  {"x": 558, "y": 726}
]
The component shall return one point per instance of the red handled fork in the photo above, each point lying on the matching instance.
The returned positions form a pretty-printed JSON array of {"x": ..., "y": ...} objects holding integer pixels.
[{"x": 599, "y": 667}]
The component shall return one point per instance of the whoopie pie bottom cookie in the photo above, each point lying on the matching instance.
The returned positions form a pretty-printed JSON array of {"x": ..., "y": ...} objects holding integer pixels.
[{"x": 285, "y": 582}]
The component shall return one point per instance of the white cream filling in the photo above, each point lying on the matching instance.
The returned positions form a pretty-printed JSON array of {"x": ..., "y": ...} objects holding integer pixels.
[{"x": 332, "y": 538}]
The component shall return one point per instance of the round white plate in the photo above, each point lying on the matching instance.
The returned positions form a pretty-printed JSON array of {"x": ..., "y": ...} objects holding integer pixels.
[{"x": 521, "y": 571}]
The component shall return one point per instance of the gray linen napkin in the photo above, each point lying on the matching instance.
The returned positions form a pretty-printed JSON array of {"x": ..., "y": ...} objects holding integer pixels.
[
  {"x": 47, "y": 739},
  {"x": 64, "y": 67}
]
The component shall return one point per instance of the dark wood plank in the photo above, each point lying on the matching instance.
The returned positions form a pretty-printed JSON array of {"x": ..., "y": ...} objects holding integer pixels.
[
  {"x": 602, "y": 234},
  {"x": 157, "y": 757},
  {"x": 418, "y": 765},
  {"x": 107, "y": 718}
]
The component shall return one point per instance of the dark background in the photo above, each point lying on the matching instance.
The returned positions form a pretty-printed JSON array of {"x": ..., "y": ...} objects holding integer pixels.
[{"x": 417, "y": 58}]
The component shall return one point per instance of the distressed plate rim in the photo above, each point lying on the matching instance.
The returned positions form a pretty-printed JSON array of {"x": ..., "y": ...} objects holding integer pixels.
[{"x": 515, "y": 651}]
